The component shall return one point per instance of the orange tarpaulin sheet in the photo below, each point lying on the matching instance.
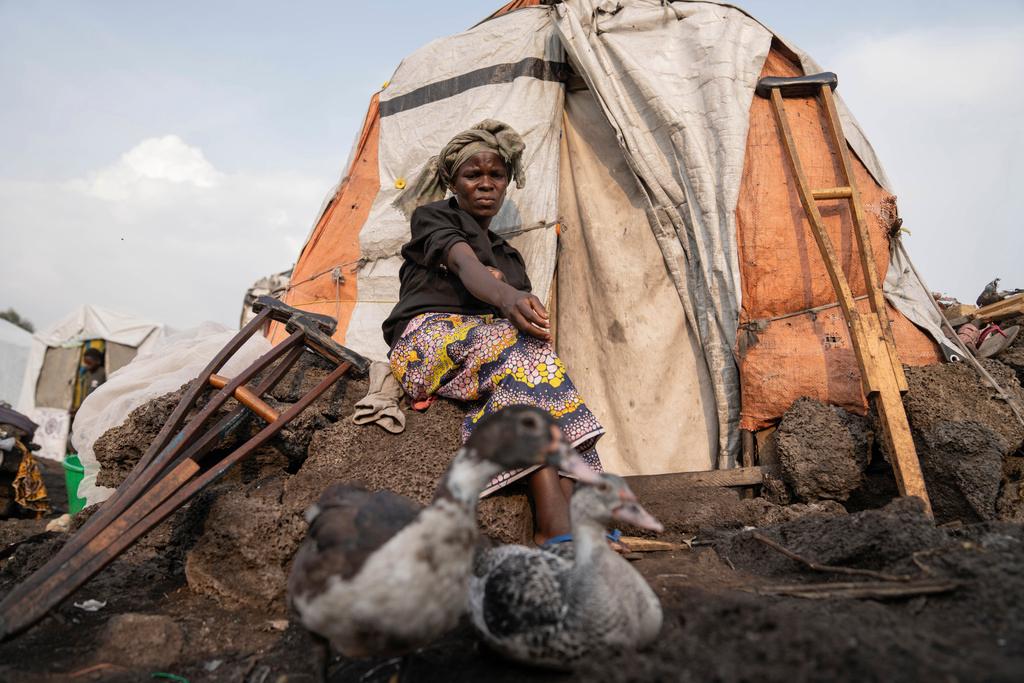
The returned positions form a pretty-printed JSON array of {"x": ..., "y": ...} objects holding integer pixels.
[
  {"x": 782, "y": 272},
  {"x": 334, "y": 242}
]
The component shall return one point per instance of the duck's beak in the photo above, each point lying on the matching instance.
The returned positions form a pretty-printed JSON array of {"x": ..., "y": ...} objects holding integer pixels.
[
  {"x": 629, "y": 511},
  {"x": 565, "y": 458}
]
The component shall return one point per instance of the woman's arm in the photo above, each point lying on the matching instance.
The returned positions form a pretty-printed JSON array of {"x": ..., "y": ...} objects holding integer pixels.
[{"x": 524, "y": 310}]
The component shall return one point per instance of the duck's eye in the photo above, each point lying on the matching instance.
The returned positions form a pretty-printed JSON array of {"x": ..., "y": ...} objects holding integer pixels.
[
  {"x": 531, "y": 422},
  {"x": 604, "y": 487}
]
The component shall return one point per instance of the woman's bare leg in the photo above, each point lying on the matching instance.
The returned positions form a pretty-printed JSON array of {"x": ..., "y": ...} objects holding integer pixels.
[
  {"x": 550, "y": 505},
  {"x": 568, "y": 486}
]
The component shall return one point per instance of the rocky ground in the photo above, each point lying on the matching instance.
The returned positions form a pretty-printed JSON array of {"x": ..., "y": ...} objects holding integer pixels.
[{"x": 201, "y": 597}]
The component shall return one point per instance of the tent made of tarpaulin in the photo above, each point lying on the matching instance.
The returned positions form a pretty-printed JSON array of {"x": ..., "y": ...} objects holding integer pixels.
[
  {"x": 659, "y": 218},
  {"x": 51, "y": 370},
  {"x": 14, "y": 347}
]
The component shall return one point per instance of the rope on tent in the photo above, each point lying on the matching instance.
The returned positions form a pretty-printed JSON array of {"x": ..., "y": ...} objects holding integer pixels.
[
  {"x": 967, "y": 352},
  {"x": 342, "y": 301},
  {"x": 357, "y": 262},
  {"x": 817, "y": 309}
]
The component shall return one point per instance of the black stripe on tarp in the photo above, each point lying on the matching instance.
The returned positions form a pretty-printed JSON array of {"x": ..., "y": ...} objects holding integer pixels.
[{"x": 531, "y": 67}]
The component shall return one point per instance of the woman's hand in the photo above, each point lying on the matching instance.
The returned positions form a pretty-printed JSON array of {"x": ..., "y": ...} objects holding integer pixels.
[
  {"x": 526, "y": 312},
  {"x": 522, "y": 309}
]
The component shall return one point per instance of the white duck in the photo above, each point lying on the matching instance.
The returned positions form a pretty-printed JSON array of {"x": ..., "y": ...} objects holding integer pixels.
[
  {"x": 380, "y": 575},
  {"x": 543, "y": 608}
]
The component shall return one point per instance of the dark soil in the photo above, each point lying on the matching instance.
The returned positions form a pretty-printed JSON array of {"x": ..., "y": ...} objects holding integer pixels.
[
  {"x": 717, "y": 626},
  {"x": 202, "y": 595}
]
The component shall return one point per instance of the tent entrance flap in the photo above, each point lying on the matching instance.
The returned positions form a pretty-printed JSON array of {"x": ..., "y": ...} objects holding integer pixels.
[
  {"x": 621, "y": 329},
  {"x": 56, "y": 384}
]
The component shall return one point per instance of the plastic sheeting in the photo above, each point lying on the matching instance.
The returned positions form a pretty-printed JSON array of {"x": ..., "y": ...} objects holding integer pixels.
[
  {"x": 620, "y": 328},
  {"x": 15, "y": 344},
  {"x": 164, "y": 367},
  {"x": 674, "y": 79},
  {"x": 676, "y": 82}
]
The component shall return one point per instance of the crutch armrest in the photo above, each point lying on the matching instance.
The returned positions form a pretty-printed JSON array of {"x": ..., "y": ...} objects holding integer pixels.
[{"x": 796, "y": 86}]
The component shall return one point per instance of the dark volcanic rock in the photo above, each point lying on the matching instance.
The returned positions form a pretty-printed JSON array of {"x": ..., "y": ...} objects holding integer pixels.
[
  {"x": 954, "y": 393},
  {"x": 1010, "y": 505},
  {"x": 963, "y": 465},
  {"x": 119, "y": 448},
  {"x": 410, "y": 463},
  {"x": 962, "y": 431},
  {"x": 1014, "y": 359},
  {"x": 241, "y": 557},
  {"x": 823, "y": 450}
]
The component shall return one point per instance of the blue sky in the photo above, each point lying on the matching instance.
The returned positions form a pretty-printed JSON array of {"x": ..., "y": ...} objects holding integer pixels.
[{"x": 260, "y": 101}]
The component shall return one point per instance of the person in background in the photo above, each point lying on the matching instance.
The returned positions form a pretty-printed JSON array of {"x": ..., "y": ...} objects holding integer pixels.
[
  {"x": 91, "y": 374},
  {"x": 22, "y": 492}
]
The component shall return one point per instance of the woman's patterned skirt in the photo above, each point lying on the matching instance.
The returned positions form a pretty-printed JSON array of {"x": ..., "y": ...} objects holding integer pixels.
[{"x": 488, "y": 363}]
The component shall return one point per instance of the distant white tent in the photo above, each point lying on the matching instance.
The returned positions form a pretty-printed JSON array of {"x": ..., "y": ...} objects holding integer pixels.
[
  {"x": 14, "y": 347},
  {"x": 52, "y": 365}
]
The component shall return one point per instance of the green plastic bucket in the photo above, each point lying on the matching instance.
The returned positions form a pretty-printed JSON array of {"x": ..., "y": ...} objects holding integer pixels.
[{"x": 73, "y": 474}]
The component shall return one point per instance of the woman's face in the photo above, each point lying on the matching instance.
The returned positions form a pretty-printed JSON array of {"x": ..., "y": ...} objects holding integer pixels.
[{"x": 480, "y": 185}]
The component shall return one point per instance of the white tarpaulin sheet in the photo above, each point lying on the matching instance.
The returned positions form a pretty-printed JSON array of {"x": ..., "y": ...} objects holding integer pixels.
[
  {"x": 676, "y": 81},
  {"x": 14, "y": 348},
  {"x": 509, "y": 68},
  {"x": 620, "y": 328}
]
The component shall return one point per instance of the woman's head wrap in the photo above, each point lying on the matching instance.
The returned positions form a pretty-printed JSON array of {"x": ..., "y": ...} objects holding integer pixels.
[{"x": 437, "y": 176}]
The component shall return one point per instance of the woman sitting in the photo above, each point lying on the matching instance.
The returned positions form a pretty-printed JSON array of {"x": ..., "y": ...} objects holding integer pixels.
[{"x": 466, "y": 326}]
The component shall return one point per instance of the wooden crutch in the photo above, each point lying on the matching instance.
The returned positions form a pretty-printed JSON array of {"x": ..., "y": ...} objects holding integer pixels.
[{"x": 880, "y": 369}]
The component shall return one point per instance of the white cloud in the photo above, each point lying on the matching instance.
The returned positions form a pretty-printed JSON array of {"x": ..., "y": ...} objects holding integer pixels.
[
  {"x": 160, "y": 233},
  {"x": 147, "y": 169},
  {"x": 942, "y": 108}
]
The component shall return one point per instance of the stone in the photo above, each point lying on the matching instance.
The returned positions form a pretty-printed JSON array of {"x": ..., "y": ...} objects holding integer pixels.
[
  {"x": 823, "y": 450},
  {"x": 141, "y": 641}
]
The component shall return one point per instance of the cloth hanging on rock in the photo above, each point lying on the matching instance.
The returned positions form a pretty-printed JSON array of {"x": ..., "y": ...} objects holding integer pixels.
[{"x": 380, "y": 405}]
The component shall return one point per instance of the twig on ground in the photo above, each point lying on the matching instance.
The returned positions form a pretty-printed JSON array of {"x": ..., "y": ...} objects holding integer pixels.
[
  {"x": 916, "y": 559},
  {"x": 860, "y": 589},
  {"x": 96, "y": 668},
  {"x": 826, "y": 567}
]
